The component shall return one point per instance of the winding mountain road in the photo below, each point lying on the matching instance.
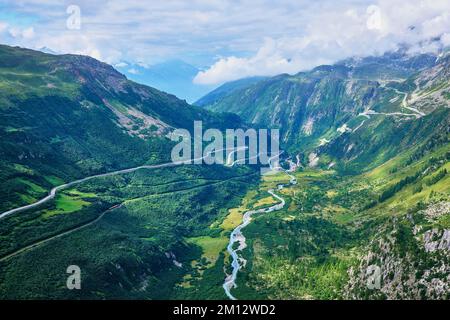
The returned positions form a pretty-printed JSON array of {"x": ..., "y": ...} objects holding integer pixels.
[
  {"x": 54, "y": 191},
  {"x": 77, "y": 228},
  {"x": 417, "y": 113}
]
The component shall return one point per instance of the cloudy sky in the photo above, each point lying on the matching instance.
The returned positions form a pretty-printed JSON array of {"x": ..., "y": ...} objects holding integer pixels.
[{"x": 229, "y": 39}]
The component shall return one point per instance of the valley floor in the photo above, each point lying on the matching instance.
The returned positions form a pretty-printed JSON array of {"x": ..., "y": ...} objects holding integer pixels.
[
  {"x": 337, "y": 234},
  {"x": 378, "y": 235},
  {"x": 164, "y": 235}
]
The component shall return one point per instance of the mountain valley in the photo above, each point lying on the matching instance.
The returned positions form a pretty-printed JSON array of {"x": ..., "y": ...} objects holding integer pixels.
[{"x": 367, "y": 141}]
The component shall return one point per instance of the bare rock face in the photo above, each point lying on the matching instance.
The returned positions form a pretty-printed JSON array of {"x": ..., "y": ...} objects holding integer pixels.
[
  {"x": 445, "y": 241},
  {"x": 313, "y": 160},
  {"x": 437, "y": 210},
  {"x": 436, "y": 239},
  {"x": 432, "y": 86},
  {"x": 407, "y": 261},
  {"x": 137, "y": 123}
]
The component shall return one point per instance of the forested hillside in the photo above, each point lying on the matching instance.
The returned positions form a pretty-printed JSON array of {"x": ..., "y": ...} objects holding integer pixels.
[
  {"x": 364, "y": 186},
  {"x": 66, "y": 117},
  {"x": 354, "y": 115}
]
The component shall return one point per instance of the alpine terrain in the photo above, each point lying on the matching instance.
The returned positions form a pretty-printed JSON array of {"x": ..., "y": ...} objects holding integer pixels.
[{"x": 358, "y": 209}]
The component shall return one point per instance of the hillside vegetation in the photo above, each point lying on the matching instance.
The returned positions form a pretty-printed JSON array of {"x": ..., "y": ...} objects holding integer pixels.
[{"x": 366, "y": 139}]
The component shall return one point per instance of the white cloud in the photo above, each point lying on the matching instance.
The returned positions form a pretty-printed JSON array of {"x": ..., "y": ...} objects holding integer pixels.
[
  {"x": 374, "y": 19},
  {"x": 121, "y": 65},
  {"x": 252, "y": 37},
  {"x": 71, "y": 43},
  {"x": 446, "y": 39},
  {"x": 274, "y": 57},
  {"x": 332, "y": 35},
  {"x": 133, "y": 71},
  {"x": 14, "y": 32},
  {"x": 3, "y": 26},
  {"x": 28, "y": 33},
  {"x": 142, "y": 64}
]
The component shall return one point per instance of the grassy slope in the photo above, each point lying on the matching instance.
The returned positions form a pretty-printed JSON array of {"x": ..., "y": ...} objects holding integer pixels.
[
  {"x": 60, "y": 119},
  {"x": 180, "y": 216},
  {"x": 59, "y": 122},
  {"x": 306, "y": 250},
  {"x": 131, "y": 251}
]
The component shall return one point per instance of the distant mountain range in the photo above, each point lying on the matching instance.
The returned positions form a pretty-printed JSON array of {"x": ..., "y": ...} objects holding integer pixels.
[
  {"x": 321, "y": 110},
  {"x": 173, "y": 76}
]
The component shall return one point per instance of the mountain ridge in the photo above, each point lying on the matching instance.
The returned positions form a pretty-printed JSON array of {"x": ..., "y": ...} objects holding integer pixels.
[
  {"x": 369, "y": 157},
  {"x": 82, "y": 116},
  {"x": 314, "y": 108}
]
